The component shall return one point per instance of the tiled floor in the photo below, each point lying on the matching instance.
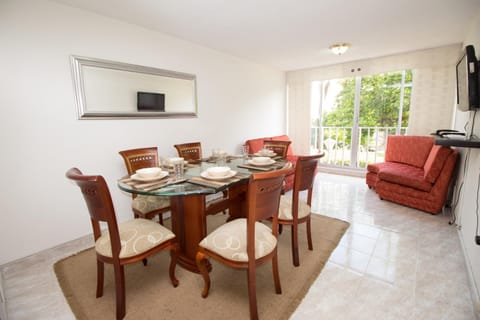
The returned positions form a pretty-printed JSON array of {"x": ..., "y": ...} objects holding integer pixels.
[{"x": 393, "y": 263}]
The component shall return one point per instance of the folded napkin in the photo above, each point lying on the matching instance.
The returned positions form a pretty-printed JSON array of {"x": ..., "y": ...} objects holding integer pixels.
[
  {"x": 149, "y": 186},
  {"x": 262, "y": 168},
  {"x": 212, "y": 183},
  {"x": 213, "y": 159}
]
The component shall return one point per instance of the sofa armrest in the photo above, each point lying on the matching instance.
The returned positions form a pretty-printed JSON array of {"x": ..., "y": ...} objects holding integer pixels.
[{"x": 435, "y": 162}]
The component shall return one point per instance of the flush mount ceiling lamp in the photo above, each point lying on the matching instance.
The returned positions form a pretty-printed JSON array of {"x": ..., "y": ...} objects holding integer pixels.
[{"x": 339, "y": 48}]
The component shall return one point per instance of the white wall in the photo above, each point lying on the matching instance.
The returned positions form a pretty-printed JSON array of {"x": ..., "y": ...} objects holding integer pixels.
[
  {"x": 40, "y": 134},
  {"x": 466, "y": 211}
]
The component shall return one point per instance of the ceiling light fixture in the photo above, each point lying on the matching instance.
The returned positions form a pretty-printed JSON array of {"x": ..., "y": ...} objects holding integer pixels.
[{"x": 339, "y": 48}]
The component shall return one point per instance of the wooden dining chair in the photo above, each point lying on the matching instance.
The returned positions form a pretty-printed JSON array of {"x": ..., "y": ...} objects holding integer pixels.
[
  {"x": 191, "y": 151},
  {"x": 145, "y": 206},
  {"x": 122, "y": 243},
  {"x": 293, "y": 210},
  {"x": 280, "y": 147},
  {"x": 246, "y": 243}
]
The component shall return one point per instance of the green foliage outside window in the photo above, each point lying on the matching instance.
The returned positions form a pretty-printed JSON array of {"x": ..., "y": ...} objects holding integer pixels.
[{"x": 379, "y": 104}]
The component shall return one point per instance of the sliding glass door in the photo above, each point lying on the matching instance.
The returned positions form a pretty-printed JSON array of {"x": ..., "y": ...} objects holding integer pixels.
[{"x": 353, "y": 116}]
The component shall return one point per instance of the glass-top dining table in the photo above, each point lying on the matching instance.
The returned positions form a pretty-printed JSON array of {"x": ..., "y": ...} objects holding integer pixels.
[{"x": 189, "y": 208}]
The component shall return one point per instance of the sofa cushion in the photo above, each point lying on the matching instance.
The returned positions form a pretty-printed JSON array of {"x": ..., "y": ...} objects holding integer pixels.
[
  {"x": 412, "y": 150},
  {"x": 405, "y": 175},
  {"x": 254, "y": 145},
  {"x": 435, "y": 161},
  {"x": 376, "y": 167}
]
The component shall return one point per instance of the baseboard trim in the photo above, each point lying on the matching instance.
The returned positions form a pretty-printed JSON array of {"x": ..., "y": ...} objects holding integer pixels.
[
  {"x": 360, "y": 173},
  {"x": 3, "y": 300},
  {"x": 474, "y": 293}
]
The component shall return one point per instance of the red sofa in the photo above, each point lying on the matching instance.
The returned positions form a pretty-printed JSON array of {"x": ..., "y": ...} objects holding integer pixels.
[
  {"x": 416, "y": 173},
  {"x": 257, "y": 144}
]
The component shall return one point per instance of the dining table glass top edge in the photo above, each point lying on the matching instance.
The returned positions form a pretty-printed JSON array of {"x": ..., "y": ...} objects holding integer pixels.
[{"x": 194, "y": 181}]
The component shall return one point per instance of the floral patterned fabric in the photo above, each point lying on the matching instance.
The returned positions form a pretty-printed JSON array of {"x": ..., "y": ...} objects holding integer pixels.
[
  {"x": 230, "y": 240},
  {"x": 432, "y": 201},
  {"x": 435, "y": 162},
  {"x": 136, "y": 236},
  {"x": 405, "y": 175},
  {"x": 415, "y": 173},
  {"x": 147, "y": 204},
  {"x": 412, "y": 150},
  {"x": 285, "y": 211}
]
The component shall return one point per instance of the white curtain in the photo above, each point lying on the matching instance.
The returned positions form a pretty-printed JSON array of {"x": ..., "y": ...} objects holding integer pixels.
[{"x": 433, "y": 94}]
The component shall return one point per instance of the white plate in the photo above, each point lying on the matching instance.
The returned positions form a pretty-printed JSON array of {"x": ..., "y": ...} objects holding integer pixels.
[
  {"x": 230, "y": 174},
  {"x": 260, "y": 154},
  {"x": 261, "y": 164},
  {"x": 136, "y": 177}
]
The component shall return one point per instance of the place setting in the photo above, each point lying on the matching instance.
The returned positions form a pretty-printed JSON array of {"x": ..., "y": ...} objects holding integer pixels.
[
  {"x": 151, "y": 178},
  {"x": 261, "y": 163},
  {"x": 215, "y": 177},
  {"x": 219, "y": 157},
  {"x": 265, "y": 153}
]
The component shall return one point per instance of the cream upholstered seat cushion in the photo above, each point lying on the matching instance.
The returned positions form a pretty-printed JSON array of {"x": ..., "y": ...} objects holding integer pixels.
[
  {"x": 230, "y": 240},
  {"x": 285, "y": 211},
  {"x": 136, "y": 236},
  {"x": 147, "y": 204}
]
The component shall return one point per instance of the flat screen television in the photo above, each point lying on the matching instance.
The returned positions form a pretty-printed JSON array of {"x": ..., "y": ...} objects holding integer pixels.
[
  {"x": 150, "y": 101},
  {"x": 467, "y": 80}
]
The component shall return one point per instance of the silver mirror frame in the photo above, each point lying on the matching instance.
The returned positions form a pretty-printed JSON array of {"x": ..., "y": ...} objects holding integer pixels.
[{"x": 77, "y": 64}]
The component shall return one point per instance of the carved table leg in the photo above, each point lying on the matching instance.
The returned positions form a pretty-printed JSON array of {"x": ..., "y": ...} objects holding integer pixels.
[{"x": 190, "y": 226}]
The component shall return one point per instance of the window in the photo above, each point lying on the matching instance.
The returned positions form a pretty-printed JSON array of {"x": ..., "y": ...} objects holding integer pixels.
[{"x": 352, "y": 117}]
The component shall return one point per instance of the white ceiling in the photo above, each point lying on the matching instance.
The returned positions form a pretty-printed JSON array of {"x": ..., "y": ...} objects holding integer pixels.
[{"x": 296, "y": 34}]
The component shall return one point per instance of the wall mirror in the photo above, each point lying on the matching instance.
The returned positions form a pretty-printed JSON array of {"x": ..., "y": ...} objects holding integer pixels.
[{"x": 109, "y": 89}]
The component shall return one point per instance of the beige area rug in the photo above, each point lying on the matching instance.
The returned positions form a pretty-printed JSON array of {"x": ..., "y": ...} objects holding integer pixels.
[{"x": 150, "y": 295}]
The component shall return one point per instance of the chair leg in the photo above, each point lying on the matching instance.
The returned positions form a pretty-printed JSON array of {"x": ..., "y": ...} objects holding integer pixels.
[
  {"x": 173, "y": 264},
  {"x": 280, "y": 228},
  {"x": 119, "y": 290},
  {"x": 100, "y": 273},
  {"x": 160, "y": 218},
  {"x": 252, "y": 293},
  {"x": 276, "y": 276},
  {"x": 295, "y": 258},
  {"x": 201, "y": 260},
  {"x": 309, "y": 235}
]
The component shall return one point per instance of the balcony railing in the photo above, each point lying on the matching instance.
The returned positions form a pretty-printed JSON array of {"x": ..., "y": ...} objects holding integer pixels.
[{"x": 336, "y": 142}]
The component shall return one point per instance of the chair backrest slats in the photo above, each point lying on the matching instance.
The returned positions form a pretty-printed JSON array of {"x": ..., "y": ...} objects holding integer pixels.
[
  {"x": 189, "y": 151},
  {"x": 305, "y": 172},
  {"x": 264, "y": 195},
  {"x": 280, "y": 147},
  {"x": 263, "y": 199},
  {"x": 99, "y": 203},
  {"x": 140, "y": 158}
]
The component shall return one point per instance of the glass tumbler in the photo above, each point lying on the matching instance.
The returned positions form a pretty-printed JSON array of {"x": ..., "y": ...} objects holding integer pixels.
[
  {"x": 221, "y": 160},
  {"x": 177, "y": 167},
  {"x": 245, "y": 152}
]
